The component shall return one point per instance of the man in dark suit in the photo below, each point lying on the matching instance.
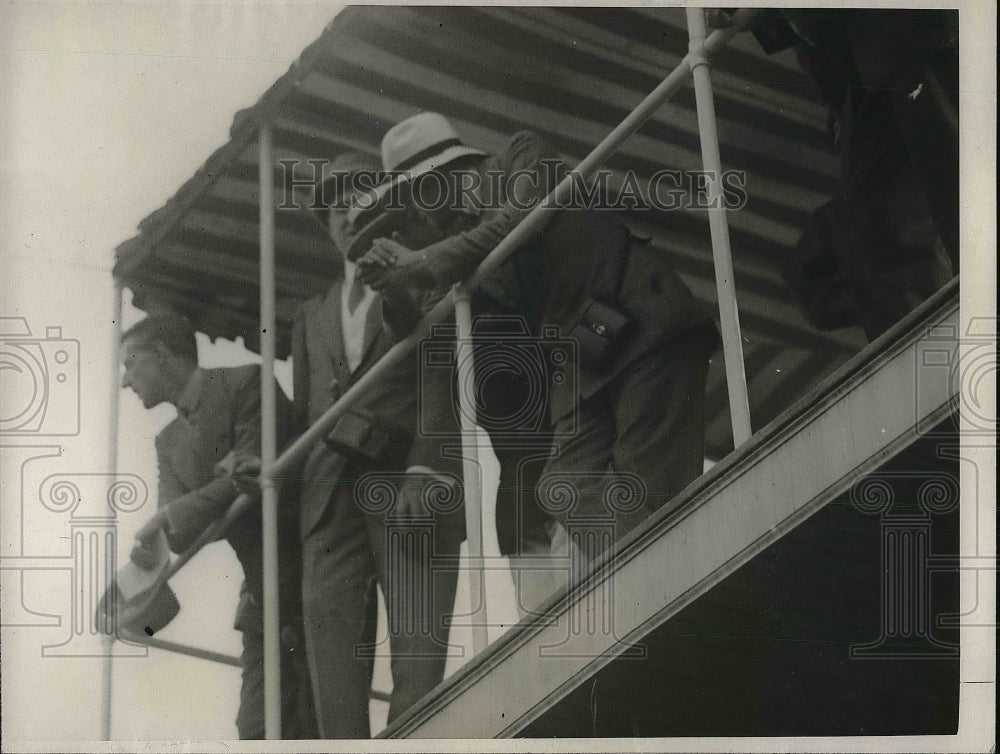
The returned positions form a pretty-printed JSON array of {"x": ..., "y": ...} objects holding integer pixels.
[
  {"x": 218, "y": 418},
  {"x": 628, "y": 417},
  {"x": 381, "y": 503},
  {"x": 890, "y": 237}
]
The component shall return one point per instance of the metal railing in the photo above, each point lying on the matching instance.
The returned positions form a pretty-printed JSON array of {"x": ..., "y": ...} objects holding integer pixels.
[{"x": 697, "y": 64}]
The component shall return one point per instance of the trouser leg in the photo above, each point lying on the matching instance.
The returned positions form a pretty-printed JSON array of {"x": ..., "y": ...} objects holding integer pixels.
[
  {"x": 250, "y": 716},
  {"x": 511, "y": 403},
  {"x": 922, "y": 85},
  {"x": 339, "y": 605},
  {"x": 659, "y": 411},
  {"x": 640, "y": 441},
  {"x": 418, "y": 569},
  {"x": 929, "y": 124},
  {"x": 295, "y": 693},
  {"x": 886, "y": 234}
]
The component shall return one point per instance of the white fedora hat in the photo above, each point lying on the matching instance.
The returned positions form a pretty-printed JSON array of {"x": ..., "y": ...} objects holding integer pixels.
[
  {"x": 413, "y": 147},
  {"x": 421, "y": 144}
]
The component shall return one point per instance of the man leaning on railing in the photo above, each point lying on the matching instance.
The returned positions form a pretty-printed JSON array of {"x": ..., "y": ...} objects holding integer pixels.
[
  {"x": 626, "y": 410},
  {"x": 218, "y": 419}
]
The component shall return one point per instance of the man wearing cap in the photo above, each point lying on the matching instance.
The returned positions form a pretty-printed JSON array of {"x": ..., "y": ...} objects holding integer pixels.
[
  {"x": 218, "y": 418},
  {"x": 629, "y": 417},
  {"x": 380, "y": 502}
]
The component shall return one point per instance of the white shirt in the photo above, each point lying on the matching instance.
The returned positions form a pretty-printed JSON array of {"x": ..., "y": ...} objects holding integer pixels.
[{"x": 353, "y": 324}]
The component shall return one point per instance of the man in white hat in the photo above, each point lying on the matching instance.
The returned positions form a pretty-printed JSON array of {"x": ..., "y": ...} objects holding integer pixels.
[
  {"x": 368, "y": 511},
  {"x": 218, "y": 418},
  {"x": 512, "y": 385},
  {"x": 629, "y": 415}
]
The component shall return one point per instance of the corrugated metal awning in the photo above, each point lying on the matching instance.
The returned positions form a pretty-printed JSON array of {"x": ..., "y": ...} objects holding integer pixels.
[{"x": 569, "y": 73}]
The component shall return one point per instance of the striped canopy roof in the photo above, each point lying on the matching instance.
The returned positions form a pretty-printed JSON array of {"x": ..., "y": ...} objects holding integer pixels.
[{"x": 571, "y": 74}]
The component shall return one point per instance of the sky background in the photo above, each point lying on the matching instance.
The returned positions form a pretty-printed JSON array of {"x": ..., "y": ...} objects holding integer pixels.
[{"x": 105, "y": 110}]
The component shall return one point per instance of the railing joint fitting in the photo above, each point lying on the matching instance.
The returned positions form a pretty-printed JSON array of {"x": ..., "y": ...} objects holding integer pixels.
[{"x": 698, "y": 54}]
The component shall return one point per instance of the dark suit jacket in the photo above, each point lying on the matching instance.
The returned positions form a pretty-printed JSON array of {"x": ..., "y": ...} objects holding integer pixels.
[
  {"x": 321, "y": 375},
  {"x": 224, "y": 416},
  {"x": 581, "y": 253},
  {"x": 876, "y": 42}
]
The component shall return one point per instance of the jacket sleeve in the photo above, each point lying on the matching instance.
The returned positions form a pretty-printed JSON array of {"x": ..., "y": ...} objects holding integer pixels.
[
  {"x": 773, "y": 32},
  {"x": 528, "y": 167},
  {"x": 191, "y": 513}
]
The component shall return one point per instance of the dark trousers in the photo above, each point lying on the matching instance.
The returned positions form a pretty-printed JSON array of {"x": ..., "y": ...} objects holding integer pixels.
[
  {"x": 511, "y": 399},
  {"x": 899, "y": 213},
  {"x": 639, "y": 441},
  {"x": 347, "y": 553},
  {"x": 297, "y": 714},
  {"x": 922, "y": 86}
]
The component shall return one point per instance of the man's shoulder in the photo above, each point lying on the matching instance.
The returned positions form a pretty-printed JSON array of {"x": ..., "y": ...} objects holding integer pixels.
[
  {"x": 231, "y": 380},
  {"x": 170, "y": 434}
]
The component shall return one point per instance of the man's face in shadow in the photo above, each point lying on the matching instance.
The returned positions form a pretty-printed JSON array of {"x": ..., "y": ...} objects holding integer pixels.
[
  {"x": 144, "y": 372},
  {"x": 434, "y": 207},
  {"x": 339, "y": 228}
]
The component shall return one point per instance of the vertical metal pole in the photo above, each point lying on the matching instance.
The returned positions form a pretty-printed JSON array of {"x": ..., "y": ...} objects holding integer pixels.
[
  {"x": 732, "y": 344},
  {"x": 470, "y": 469},
  {"x": 108, "y": 639},
  {"x": 268, "y": 442}
]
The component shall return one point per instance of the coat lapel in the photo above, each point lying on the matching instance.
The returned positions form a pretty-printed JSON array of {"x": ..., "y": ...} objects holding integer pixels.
[{"x": 329, "y": 323}]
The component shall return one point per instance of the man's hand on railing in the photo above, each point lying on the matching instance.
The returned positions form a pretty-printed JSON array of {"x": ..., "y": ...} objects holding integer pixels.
[
  {"x": 246, "y": 470},
  {"x": 144, "y": 552}
]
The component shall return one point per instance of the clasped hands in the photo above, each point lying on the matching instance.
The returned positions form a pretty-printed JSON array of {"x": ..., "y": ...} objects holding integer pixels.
[{"x": 391, "y": 265}]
